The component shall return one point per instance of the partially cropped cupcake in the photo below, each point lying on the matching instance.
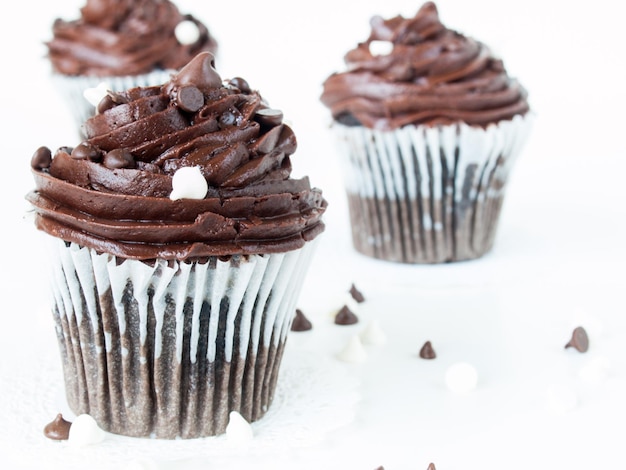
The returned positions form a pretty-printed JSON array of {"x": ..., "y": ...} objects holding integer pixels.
[
  {"x": 428, "y": 125},
  {"x": 120, "y": 44},
  {"x": 180, "y": 244}
]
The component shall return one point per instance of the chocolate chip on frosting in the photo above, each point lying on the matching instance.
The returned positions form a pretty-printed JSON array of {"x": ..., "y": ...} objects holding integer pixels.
[
  {"x": 269, "y": 117},
  {"x": 41, "y": 159},
  {"x": 119, "y": 158},
  {"x": 240, "y": 84},
  {"x": 58, "y": 429},
  {"x": 300, "y": 322},
  {"x": 579, "y": 340},
  {"x": 345, "y": 316},
  {"x": 427, "y": 351},
  {"x": 189, "y": 98},
  {"x": 85, "y": 151}
]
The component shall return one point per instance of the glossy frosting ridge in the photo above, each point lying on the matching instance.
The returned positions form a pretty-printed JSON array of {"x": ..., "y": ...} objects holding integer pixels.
[
  {"x": 124, "y": 37},
  {"x": 112, "y": 191},
  {"x": 425, "y": 73}
]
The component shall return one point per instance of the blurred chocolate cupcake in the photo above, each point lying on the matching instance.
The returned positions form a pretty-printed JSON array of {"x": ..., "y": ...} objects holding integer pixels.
[
  {"x": 180, "y": 246},
  {"x": 428, "y": 125},
  {"x": 120, "y": 44}
]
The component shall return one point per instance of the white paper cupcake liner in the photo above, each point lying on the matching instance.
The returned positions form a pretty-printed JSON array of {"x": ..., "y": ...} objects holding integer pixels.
[
  {"x": 169, "y": 349},
  {"x": 423, "y": 194},
  {"x": 72, "y": 89}
]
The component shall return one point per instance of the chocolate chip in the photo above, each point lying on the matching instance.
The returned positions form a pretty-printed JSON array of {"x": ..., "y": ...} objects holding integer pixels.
[
  {"x": 300, "y": 322},
  {"x": 240, "y": 83},
  {"x": 269, "y": 117},
  {"x": 431, "y": 466},
  {"x": 58, "y": 429},
  {"x": 105, "y": 104},
  {"x": 85, "y": 151},
  {"x": 356, "y": 294},
  {"x": 427, "y": 351},
  {"x": 345, "y": 316},
  {"x": 189, "y": 98},
  {"x": 119, "y": 158},
  {"x": 579, "y": 341},
  {"x": 41, "y": 159}
]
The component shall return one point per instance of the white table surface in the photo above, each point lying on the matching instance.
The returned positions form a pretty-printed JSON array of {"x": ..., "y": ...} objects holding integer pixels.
[{"x": 558, "y": 261}]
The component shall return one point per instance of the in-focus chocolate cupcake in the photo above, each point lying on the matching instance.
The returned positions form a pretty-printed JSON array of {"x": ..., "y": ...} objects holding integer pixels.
[
  {"x": 428, "y": 125},
  {"x": 121, "y": 44},
  {"x": 180, "y": 246}
]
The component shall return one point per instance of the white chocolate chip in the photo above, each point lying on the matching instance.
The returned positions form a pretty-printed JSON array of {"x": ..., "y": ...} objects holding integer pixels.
[
  {"x": 187, "y": 32},
  {"x": 188, "y": 183},
  {"x": 461, "y": 377},
  {"x": 238, "y": 429},
  {"x": 373, "y": 334},
  {"x": 84, "y": 431},
  {"x": 353, "y": 352},
  {"x": 95, "y": 95},
  {"x": 596, "y": 370},
  {"x": 380, "y": 47}
]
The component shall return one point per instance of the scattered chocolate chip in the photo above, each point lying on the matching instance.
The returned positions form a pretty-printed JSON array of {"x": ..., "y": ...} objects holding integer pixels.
[
  {"x": 269, "y": 117},
  {"x": 345, "y": 316},
  {"x": 189, "y": 98},
  {"x": 85, "y": 151},
  {"x": 380, "y": 468},
  {"x": 579, "y": 341},
  {"x": 58, "y": 429},
  {"x": 427, "y": 351},
  {"x": 41, "y": 159},
  {"x": 240, "y": 83},
  {"x": 119, "y": 158},
  {"x": 356, "y": 294},
  {"x": 300, "y": 322},
  {"x": 431, "y": 466}
]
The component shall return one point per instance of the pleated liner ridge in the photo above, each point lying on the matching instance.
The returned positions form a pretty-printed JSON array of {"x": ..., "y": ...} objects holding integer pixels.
[
  {"x": 169, "y": 350},
  {"x": 427, "y": 194}
]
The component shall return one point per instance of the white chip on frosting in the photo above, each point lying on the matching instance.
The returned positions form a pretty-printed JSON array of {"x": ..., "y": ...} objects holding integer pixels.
[
  {"x": 380, "y": 47},
  {"x": 353, "y": 352},
  {"x": 188, "y": 183},
  {"x": 373, "y": 334},
  {"x": 461, "y": 377},
  {"x": 95, "y": 95},
  {"x": 84, "y": 431},
  {"x": 187, "y": 32},
  {"x": 238, "y": 430}
]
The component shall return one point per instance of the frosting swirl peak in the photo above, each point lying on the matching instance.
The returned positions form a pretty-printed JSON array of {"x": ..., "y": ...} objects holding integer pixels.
[
  {"x": 112, "y": 191},
  {"x": 417, "y": 71}
]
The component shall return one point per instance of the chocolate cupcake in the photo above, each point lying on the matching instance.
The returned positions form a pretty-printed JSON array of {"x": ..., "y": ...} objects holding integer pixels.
[
  {"x": 180, "y": 245},
  {"x": 428, "y": 125},
  {"x": 121, "y": 44}
]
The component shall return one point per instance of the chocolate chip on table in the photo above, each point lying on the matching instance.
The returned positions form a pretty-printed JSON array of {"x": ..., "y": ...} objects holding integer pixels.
[
  {"x": 41, "y": 159},
  {"x": 85, "y": 151},
  {"x": 356, "y": 294},
  {"x": 189, "y": 98},
  {"x": 427, "y": 351},
  {"x": 345, "y": 316},
  {"x": 579, "y": 341},
  {"x": 300, "y": 322},
  {"x": 119, "y": 158},
  {"x": 431, "y": 466},
  {"x": 58, "y": 429}
]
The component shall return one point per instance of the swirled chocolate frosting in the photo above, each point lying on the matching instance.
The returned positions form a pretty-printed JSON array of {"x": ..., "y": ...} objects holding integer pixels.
[
  {"x": 124, "y": 37},
  {"x": 427, "y": 74},
  {"x": 113, "y": 191}
]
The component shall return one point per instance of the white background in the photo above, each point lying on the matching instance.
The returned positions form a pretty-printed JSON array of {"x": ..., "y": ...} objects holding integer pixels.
[{"x": 559, "y": 255}]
